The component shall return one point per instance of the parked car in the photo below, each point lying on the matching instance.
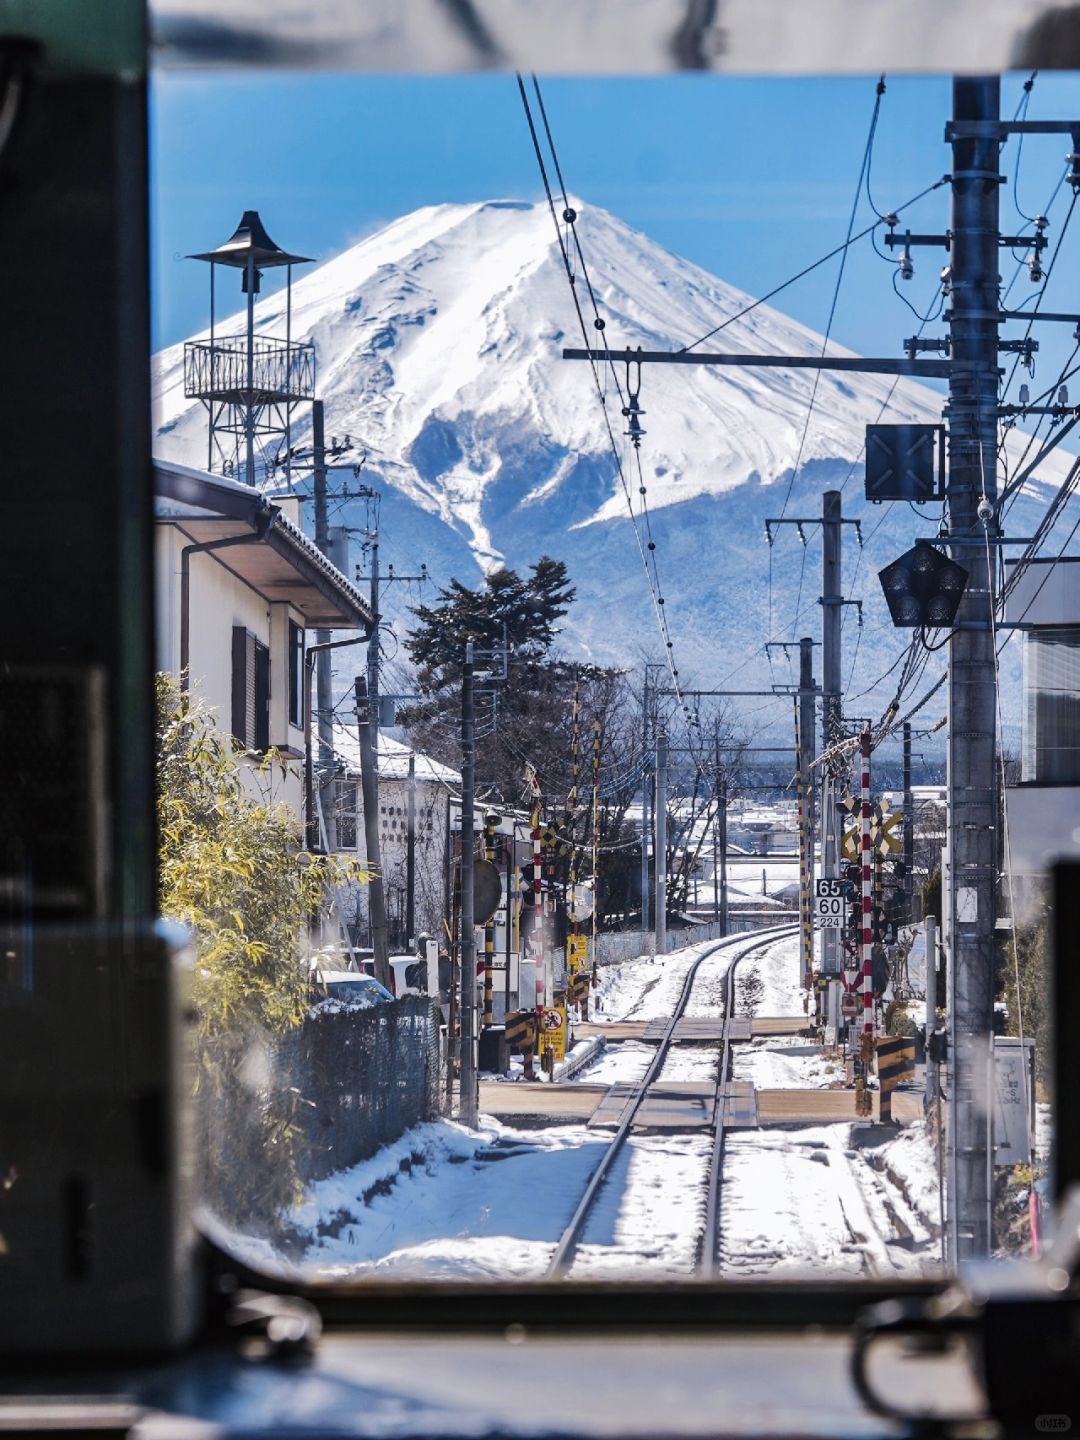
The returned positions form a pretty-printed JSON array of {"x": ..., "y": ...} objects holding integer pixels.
[
  {"x": 408, "y": 975},
  {"x": 335, "y": 990}
]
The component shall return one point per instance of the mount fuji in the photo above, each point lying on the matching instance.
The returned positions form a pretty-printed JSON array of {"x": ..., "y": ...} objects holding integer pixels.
[{"x": 438, "y": 344}]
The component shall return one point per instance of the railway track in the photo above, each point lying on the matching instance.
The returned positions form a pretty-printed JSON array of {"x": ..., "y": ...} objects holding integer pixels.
[{"x": 563, "y": 1255}]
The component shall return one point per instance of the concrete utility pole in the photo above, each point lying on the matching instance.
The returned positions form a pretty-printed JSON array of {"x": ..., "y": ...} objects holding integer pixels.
[
  {"x": 972, "y": 775},
  {"x": 373, "y": 651},
  {"x": 723, "y": 855},
  {"x": 645, "y": 808},
  {"x": 832, "y": 601},
  {"x": 931, "y": 1010},
  {"x": 716, "y": 828},
  {"x": 410, "y": 851},
  {"x": 369, "y": 785},
  {"x": 324, "y": 696},
  {"x": 807, "y": 744},
  {"x": 832, "y": 604},
  {"x": 909, "y": 831},
  {"x": 469, "y": 1097},
  {"x": 661, "y": 843}
]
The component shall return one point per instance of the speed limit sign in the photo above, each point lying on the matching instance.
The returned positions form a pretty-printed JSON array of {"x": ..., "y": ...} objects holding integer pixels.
[{"x": 830, "y": 904}]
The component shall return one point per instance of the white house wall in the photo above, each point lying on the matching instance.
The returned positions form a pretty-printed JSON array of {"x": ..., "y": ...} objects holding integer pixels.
[
  {"x": 219, "y": 599},
  {"x": 430, "y": 851}
]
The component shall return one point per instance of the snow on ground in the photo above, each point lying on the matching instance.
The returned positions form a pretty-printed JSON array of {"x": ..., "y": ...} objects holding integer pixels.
[
  {"x": 691, "y": 1062},
  {"x": 442, "y": 1203},
  {"x": 777, "y": 966},
  {"x": 624, "y": 1062},
  {"x": 446, "y": 1203},
  {"x": 785, "y": 1062},
  {"x": 812, "y": 1199},
  {"x": 649, "y": 1215},
  {"x": 645, "y": 988}
]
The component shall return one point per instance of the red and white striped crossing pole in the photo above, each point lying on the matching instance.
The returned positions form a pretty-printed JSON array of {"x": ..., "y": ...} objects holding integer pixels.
[
  {"x": 867, "y": 892},
  {"x": 539, "y": 947}
]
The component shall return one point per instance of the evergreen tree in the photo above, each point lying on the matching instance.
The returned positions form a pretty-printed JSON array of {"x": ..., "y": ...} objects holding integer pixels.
[{"x": 526, "y": 611}]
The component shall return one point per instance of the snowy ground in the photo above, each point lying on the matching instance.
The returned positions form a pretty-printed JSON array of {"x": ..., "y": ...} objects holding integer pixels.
[
  {"x": 786, "y": 1062},
  {"x": 628, "y": 1061},
  {"x": 813, "y": 1200},
  {"x": 444, "y": 1202},
  {"x": 831, "y": 1198},
  {"x": 648, "y": 988}
]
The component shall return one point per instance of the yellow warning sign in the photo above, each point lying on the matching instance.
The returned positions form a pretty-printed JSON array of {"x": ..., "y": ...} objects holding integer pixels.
[
  {"x": 577, "y": 952},
  {"x": 553, "y": 1030}
]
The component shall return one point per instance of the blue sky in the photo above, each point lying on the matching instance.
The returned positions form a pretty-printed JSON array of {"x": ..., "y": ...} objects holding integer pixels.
[{"x": 750, "y": 178}]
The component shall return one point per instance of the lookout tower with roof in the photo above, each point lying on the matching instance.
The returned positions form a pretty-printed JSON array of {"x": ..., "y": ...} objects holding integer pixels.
[{"x": 249, "y": 383}]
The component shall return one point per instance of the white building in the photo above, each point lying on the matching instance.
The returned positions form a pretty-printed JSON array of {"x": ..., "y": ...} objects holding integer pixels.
[
  {"x": 238, "y": 584},
  {"x": 408, "y": 783},
  {"x": 1044, "y": 809}
]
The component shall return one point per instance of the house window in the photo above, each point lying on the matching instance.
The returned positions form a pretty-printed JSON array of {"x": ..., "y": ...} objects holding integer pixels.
[
  {"x": 345, "y": 812},
  {"x": 296, "y": 674},
  {"x": 250, "y": 691}
]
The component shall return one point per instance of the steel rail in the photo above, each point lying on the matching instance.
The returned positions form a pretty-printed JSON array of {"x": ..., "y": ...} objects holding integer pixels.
[
  {"x": 711, "y": 1237},
  {"x": 560, "y": 1260}
]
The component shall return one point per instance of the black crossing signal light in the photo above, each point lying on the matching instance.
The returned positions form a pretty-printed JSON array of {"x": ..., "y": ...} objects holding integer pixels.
[
  {"x": 525, "y": 884},
  {"x": 923, "y": 588}
]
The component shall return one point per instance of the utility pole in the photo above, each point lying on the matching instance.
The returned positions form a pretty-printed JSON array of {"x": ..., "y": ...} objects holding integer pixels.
[
  {"x": 324, "y": 696},
  {"x": 369, "y": 785},
  {"x": 373, "y": 651},
  {"x": 410, "y": 850},
  {"x": 469, "y": 1098},
  {"x": 831, "y": 720},
  {"x": 723, "y": 855},
  {"x": 716, "y": 829},
  {"x": 931, "y": 1011},
  {"x": 909, "y": 831},
  {"x": 661, "y": 843},
  {"x": 832, "y": 606},
  {"x": 972, "y": 787},
  {"x": 645, "y": 826},
  {"x": 807, "y": 744}
]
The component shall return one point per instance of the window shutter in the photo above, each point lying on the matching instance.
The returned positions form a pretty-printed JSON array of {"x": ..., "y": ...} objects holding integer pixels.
[
  {"x": 260, "y": 696},
  {"x": 240, "y": 670}
]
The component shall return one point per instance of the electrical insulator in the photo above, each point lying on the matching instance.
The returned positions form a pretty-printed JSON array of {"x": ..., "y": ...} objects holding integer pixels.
[
  {"x": 1063, "y": 395},
  {"x": 1025, "y": 394},
  {"x": 907, "y": 268},
  {"x": 946, "y": 280},
  {"x": 1035, "y": 268}
]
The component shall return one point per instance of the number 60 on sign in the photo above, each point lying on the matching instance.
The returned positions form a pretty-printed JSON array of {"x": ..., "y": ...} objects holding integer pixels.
[{"x": 830, "y": 905}]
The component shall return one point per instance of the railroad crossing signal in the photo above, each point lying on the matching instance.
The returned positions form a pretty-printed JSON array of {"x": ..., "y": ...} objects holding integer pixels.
[{"x": 885, "y": 837}]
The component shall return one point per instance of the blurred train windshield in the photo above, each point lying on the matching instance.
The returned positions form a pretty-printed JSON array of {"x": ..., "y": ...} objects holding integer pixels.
[{"x": 553, "y": 790}]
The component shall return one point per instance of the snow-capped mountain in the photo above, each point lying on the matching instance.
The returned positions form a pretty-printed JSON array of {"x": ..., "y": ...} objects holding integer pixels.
[{"x": 439, "y": 343}]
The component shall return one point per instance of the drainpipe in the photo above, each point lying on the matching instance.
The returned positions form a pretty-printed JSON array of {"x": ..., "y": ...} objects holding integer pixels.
[{"x": 265, "y": 519}]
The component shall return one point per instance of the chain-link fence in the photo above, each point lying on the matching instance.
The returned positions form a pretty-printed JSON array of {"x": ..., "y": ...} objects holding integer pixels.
[
  {"x": 364, "y": 1078},
  {"x": 274, "y": 1117}
]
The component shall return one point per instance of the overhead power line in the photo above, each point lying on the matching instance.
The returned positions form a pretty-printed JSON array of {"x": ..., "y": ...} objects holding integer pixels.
[{"x": 647, "y": 545}]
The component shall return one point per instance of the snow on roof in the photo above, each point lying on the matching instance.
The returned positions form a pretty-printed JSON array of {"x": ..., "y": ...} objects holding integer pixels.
[{"x": 393, "y": 759}]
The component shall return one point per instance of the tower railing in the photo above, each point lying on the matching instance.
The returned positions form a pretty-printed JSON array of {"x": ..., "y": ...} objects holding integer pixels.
[{"x": 281, "y": 370}]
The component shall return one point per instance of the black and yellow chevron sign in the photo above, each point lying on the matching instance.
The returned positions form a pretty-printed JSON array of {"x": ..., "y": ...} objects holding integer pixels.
[
  {"x": 521, "y": 1031},
  {"x": 895, "y": 1064}
]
